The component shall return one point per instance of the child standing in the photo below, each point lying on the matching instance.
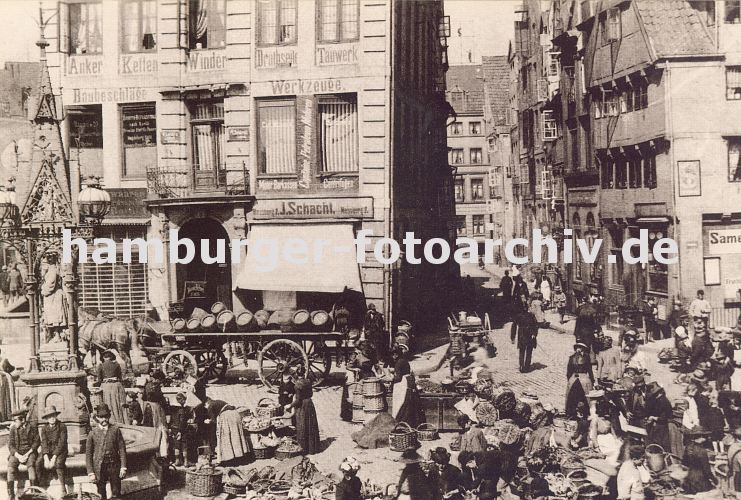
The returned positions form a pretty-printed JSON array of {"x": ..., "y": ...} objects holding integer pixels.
[
  {"x": 180, "y": 419},
  {"x": 560, "y": 300}
]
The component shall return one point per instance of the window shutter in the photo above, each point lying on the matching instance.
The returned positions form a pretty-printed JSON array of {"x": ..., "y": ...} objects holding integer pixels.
[{"x": 63, "y": 28}]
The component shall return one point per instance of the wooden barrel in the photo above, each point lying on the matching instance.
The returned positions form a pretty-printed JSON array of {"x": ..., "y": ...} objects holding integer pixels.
[
  {"x": 301, "y": 318},
  {"x": 208, "y": 323},
  {"x": 217, "y": 307},
  {"x": 178, "y": 324},
  {"x": 320, "y": 319},
  {"x": 261, "y": 317},
  {"x": 281, "y": 319},
  {"x": 198, "y": 313},
  {"x": 358, "y": 413},
  {"x": 193, "y": 325},
  {"x": 225, "y": 320},
  {"x": 245, "y": 321}
]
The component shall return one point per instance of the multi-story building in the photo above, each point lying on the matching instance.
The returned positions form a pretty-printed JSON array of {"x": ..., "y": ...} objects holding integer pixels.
[
  {"x": 652, "y": 145},
  {"x": 468, "y": 152},
  {"x": 264, "y": 120}
]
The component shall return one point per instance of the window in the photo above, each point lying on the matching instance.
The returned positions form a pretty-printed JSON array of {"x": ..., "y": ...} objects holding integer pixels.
[
  {"x": 658, "y": 274},
  {"x": 576, "y": 226},
  {"x": 276, "y": 142},
  {"x": 478, "y": 224},
  {"x": 626, "y": 100},
  {"x": 609, "y": 104},
  {"x": 616, "y": 270},
  {"x": 474, "y": 128},
  {"x": 553, "y": 64},
  {"x": 86, "y": 28},
  {"x": 733, "y": 12},
  {"x": 338, "y": 20},
  {"x": 338, "y": 134},
  {"x": 734, "y": 159},
  {"x": 276, "y": 22},
  {"x": 733, "y": 82},
  {"x": 574, "y": 144},
  {"x": 139, "y": 24},
  {"x": 550, "y": 128},
  {"x": 640, "y": 95},
  {"x": 634, "y": 172},
  {"x": 608, "y": 166},
  {"x": 649, "y": 170},
  {"x": 460, "y": 191},
  {"x": 621, "y": 173},
  {"x": 476, "y": 156},
  {"x": 456, "y": 128},
  {"x": 456, "y": 156},
  {"x": 460, "y": 225},
  {"x": 207, "y": 24},
  {"x": 477, "y": 189},
  {"x": 86, "y": 138},
  {"x": 706, "y": 11},
  {"x": 139, "y": 139},
  {"x": 116, "y": 289},
  {"x": 613, "y": 24},
  {"x": 207, "y": 138}
]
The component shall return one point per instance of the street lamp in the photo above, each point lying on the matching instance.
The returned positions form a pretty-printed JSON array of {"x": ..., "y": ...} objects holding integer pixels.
[{"x": 94, "y": 203}]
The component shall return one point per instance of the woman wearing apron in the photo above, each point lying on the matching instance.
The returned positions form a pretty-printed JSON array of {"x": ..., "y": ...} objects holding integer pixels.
[
  {"x": 580, "y": 379},
  {"x": 405, "y": 397},
  {"x": 114, "y": 395}
]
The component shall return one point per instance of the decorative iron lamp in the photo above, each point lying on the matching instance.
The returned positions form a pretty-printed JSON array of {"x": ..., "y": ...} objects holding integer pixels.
[
  {"x": 9, "y": 211},
  {"x": 93, "y": 201}
]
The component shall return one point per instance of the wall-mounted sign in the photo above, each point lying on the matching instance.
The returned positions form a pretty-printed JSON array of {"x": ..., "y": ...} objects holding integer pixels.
[
  {"x": 276, "y": 57},
  {"x": 723, "y": 241},
  {"x": 127, "y": 203},
  {"x": 139, "y": 126},
  {"x": 689, "y": 178},
  {"x": 731, "y": 288},
  {"x": 238, "y": 134},
  {"x": 311, "y": 208},
  {"x": 172, "y": 136},
  {"x": 206, "y": 60},
  {"x": 194, "y": 290},
  {"x": 302, "y": 87},
  {"x": 331, "y": 55},
  {"x": 118, "y": 94},
  {"x": 137, "y": 64},
  {"x": 84, "y": 65},
  {"x": 86, "y": 127},
  {"x": 339, "y": 183},
  {"x": 277, "y": 184}
]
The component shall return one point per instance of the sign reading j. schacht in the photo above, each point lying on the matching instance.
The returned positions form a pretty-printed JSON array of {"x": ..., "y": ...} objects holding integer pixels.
[
  {"x": 314, "y": 208},
  {"x": 723, "y": 241}
]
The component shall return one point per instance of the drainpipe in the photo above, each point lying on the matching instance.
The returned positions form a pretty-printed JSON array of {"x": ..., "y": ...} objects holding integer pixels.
[
  {"x": 670, "y": 134},
  {"x": 389, "y": 213}
]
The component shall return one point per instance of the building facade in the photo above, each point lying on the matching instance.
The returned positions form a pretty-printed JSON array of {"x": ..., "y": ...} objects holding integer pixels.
[{"x": 259, "y": 119}]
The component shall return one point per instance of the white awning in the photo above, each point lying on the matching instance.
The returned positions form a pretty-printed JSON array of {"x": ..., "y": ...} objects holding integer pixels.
[{"x": 266, "y": 267}]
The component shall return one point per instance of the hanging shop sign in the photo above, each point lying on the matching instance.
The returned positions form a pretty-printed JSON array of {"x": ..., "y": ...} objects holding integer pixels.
[
  {"x": 314, "y": 208},
  {"x": 84, "y": 65},
  {"x": 723, "y": 241},
  {"x": 332, "y": 55},
  {"x": 137, "y": 64},
  {"x": 277, "y": 57},
  {"x": 139, "y": 127},
  {"x": 206, "y": 60}
]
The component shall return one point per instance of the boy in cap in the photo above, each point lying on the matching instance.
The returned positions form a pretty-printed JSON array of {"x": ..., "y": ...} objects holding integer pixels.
[
  {"x": 180, "y": 420},
  {"x": 105, "y": 455},
  {"x": 22, "y": 445},
  {"x": 133, "y": 408},
  {"x": 53, "y": 445}
]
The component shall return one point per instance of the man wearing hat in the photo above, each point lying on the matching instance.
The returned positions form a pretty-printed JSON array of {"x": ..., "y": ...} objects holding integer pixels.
[
  {"x": 580, "y": 379},
  {"x": 22, "y": 445},
  {"x": 450, "y": 475},
  {"x": 413, "y": 482},
  {"x": 53, "y": 445},
  {"x": 702, "y": 348},
  {"x": 525, "y": 328},
  {"x": 559, "y": 299},
  {"x": 105, "y": 456}
]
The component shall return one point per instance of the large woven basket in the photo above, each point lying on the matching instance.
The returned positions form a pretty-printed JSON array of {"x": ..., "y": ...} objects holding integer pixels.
[
  {"x": 267, "y": 408},
  {"x": 283, "y": 454},
  {"x": 264, "y": 453},
  {"x": 403, "y": 437},
  {"x": 205, "y": 482},
  {"x": 427, "y": 432}
]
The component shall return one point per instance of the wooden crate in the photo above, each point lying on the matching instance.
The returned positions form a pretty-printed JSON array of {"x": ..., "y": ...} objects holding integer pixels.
[{"x": 439, "y": 410}]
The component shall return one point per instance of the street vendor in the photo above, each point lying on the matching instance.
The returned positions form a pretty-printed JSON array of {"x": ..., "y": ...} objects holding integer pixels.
[
  {"x": 658, "y": 413},
  {"x": 580, "y": 379},
  {"x": 702, "y": 348},
  {"x": 449, "y": 475},
  {"x": 700, "y": 476},
  {"x": 405, "y": 398},
  {"x": 682, "y": 348},
  {"x": 631, "y": 356},
  {"x": 110, "y": 379}
]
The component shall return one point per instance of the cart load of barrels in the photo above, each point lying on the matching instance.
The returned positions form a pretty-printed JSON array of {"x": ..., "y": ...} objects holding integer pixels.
[{"x": 221, "y": 319}]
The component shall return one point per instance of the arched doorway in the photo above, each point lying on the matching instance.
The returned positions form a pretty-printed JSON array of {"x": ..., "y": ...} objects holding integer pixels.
[{"x": 200, "y": 284}]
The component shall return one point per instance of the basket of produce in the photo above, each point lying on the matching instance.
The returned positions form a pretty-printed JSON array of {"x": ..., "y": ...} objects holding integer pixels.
[
  {"x": 487, "y": 413},
  {"x": 505, "y": 401},
  {"x": 544, "y": 460},
  {"x": 203, "y": 482},
  {"x": 427, "y": 432},
  {"x": 279, "y": 488},
  {"x": 571, "y": 464},
  {"x": 463, "y": 387},
  {"x": 234, "y": 490},
  {"x": 35, "y": 493},
  {"x": 267, "y": 408},
  {"x": 482, "y": 388},
  {"x": 256, "y": 424},
  {"x": 288, "y": 448},
  {"x": 508, "y": 434},
  {"x": 590, "y": 490},
  {"x": 403, "y": 437}
]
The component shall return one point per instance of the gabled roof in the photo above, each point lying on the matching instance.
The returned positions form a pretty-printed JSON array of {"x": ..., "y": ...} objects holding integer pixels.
[
  {"x": 468, "y": 79},
  {"x": 496, "y": 86},
  {"x": 674, "y": 28}
]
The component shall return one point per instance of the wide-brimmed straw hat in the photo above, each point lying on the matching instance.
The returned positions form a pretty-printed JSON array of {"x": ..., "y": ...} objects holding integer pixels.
[
  {"x": 411, "y": 456},
  {"x": 49, "y": 411},
  {"x": 580, "y": 344}
]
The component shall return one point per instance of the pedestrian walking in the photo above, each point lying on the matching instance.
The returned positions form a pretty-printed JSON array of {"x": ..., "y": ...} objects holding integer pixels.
[
  {"x": 520, "y": 293},
  {"x": 53, "y": 447},
  {"x": 525, "y": 327},
  {"x": 559, "y": 299},
  {"x": 545, "y": 290},
  {"x": 23, "y": 442},
  {"x": 505, "y": 286},
  {"x": 105, "y": 455}
]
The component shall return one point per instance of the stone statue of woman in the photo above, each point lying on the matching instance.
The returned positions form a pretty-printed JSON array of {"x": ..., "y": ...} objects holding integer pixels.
[{"x": 55, "y": 311}]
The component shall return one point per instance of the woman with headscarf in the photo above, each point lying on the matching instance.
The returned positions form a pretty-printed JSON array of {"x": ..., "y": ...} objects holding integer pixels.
[
  {"x": 8, "y": 401},
  {"x": 580, "y": 379},
  {"x": 658, "y": 413},
  {"x": 405, "y": 398},
  {"x": 110, "y": 379},
  {"x": 304, "y": 414},
  {"x": 350, "y": 487},
  {"x": 413, "y": 482}
]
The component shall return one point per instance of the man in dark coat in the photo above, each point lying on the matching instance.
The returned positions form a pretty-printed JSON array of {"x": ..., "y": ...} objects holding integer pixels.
[
  {"x": 22, "y": 445},
  {"x": 525, "y": 327},
  {"x": 505, "y": 285},
  {"x": 702, "y": 348},
  {"x": 53, "y": 445},
  {"x": 105, "y": 455}
]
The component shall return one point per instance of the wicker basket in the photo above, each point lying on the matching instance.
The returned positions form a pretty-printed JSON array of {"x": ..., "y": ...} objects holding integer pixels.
[
  {"x": 81, "y": 495},
  {"x": 279, "y": 488},
  {"x": 264, "y": 453},
  {"x": 205, "y": 482},
  {"x": 34, "y": 493},
  {"x": 234, "y": 490},
  {"x": 285, "y": 455},
  {"x": 487, "y": 413},
  {"x": 427, "y": 432},
  {"x": 403, "y": 437},
  {"x": 267, "y": 408}
]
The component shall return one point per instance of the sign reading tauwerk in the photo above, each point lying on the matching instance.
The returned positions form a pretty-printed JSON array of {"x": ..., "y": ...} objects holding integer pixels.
[
  {"x": 331, "y": 55},
  {"x": 724, "y": 241},
  {"x": 311, "y": 208}
]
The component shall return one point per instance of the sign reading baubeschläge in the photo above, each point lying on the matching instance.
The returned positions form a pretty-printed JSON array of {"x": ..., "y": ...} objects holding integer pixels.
[{"x": 314, "y": 208}]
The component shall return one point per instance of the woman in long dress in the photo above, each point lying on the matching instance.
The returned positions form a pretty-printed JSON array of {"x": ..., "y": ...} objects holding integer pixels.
[
  {"x": 110, "y": 380},
  {"x": 8, "y": 401},
  {"x": 304, "y": 413},
  {"x": 580, "y": 379},
  {"x": 55, "y": 309},
  {"x": 405, "y": 397}
]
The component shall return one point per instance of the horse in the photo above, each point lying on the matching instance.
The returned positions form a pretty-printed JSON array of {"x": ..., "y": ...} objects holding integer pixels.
[{"x": 98, "y": 332}]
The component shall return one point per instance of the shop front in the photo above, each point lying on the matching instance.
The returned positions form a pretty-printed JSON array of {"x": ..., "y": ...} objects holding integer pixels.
[{"x": 722, "y": 268}]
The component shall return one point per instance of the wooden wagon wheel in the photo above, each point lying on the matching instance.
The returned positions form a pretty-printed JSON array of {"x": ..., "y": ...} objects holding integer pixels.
[
  {"x": 320, "y": 360},
  {"x": 279, "y": 356},
  {"x": 179, "y": 364},
  {"x": 212, "y": 364}
]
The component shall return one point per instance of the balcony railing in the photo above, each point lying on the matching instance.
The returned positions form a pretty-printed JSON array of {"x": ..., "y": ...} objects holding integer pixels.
[{"x": 185, "y": 181}]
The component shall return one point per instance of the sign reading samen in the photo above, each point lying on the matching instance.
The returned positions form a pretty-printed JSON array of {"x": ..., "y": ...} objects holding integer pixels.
[
  {"x": 309, "y": 208},
  {"x": 724, "y": 241}
]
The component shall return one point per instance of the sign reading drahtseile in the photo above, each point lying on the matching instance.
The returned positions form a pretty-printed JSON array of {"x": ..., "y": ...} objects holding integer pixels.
[{"x": 314, "y": 208}]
